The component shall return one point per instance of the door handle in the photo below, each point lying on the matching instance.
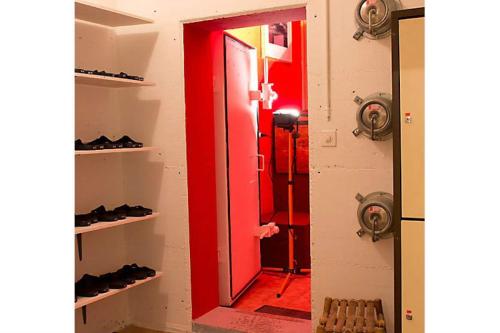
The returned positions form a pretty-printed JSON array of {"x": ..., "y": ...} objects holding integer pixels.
[{"x": 260, "y": 156}]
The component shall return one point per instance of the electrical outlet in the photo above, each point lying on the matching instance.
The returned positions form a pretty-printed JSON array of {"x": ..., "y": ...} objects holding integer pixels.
[{"x": 329, "y": 138}]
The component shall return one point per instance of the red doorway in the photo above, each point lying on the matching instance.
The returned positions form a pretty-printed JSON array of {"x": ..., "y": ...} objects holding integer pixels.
[{"x": 199, "y": 55}]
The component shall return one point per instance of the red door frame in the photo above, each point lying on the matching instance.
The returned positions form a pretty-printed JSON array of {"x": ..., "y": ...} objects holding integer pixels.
[{"x": 200, "y": 148}]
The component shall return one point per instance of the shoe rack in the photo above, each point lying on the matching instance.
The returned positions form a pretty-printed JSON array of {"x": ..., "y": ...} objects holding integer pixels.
[
  {"x": 112, "y": 151},
  {"x": 110, "y": 18},
  {"x": 111, "y": 82},
  {"x": 84, "y": 301}
]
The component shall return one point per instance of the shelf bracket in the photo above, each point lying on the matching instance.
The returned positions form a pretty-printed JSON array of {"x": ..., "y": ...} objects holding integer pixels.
[
  {"x": 84, "y": 314},
  {"x": 79, "y": 243}
]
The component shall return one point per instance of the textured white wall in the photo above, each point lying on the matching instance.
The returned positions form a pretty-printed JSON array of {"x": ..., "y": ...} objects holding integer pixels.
[{"x": 343, "y": 265}]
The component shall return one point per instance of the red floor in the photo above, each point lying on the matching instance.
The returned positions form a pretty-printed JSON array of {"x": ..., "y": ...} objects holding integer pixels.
[{"x": 297, "y": 296}]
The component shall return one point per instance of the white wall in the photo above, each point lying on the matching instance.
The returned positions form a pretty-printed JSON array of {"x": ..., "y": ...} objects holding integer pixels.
[{"x": 343, "y": 265}]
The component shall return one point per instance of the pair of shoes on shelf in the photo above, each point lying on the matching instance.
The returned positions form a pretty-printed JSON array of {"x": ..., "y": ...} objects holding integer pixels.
[
  {"x": 121, "y": 75},
  {"x": 133, "y": 272},
  {"x": 104, "y": 143},
  {"x": 124, "y": 75},
  {"x": 100, "y": 214},
  {"x": 91, "y": 286},
  {"x": 133, "y": 211},
  {"x": 103, "y": 73}
]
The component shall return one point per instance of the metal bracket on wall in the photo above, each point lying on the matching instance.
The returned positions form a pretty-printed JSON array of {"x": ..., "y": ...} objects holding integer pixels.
[
  {"x": 79, "y": 243},
  {"x": 358, "y": 100},
  {"x": 374, "y": 116},
  {"x": 373, "y": 18},
  {"x": 84, "y": 314},
  {"x": 375, "y": 215}
]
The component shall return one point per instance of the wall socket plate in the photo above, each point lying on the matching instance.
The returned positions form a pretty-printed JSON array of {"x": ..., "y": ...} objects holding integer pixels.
[{"x": 328, "y": 138}]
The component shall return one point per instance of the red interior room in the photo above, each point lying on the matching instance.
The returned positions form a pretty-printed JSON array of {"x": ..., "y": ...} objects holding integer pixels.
[{"x": 244, "y": 168}]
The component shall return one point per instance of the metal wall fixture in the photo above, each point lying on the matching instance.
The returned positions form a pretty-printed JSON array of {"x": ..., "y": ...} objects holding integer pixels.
[
  {"x": 374, "y": 116},
  {"x": 375, "y": 215},
  {"x": 373, "y": 18}
]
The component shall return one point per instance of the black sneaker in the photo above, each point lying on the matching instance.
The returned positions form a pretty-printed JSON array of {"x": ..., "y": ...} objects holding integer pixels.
[
  {"x": 121, "y": 75},
  {"x": 122, "y": 275},
  {"x": 79, "y": 145},
  {"x": 113, "y": 280},
  {"x": 133, "y": 272},
  {"x": 82, "y": 71},
  {"x": 83, "y": 220},
  {"x": 149, "y": 271},
  {"x": 102, "y": 73},
  {"x": 127, "y": 142},
  {"x": 90, "y": 286},
  {"x": 135, "y": 77},
  {"x": 105, "y": 143},
  {"x": 106, "y": 215},
  {"x": 135, "y": 211}
]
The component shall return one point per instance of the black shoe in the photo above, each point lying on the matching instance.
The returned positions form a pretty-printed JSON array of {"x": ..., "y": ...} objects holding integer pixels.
[
  {"x": 148, "y": 211},
  {"x": 83, "y": 220},
  {"x": 149, "y": 271},
  {"x": 113, "y": 280},
  {"x": 122, "y": 75},
  {"x": 82, "y": 71},
  {"x": 124, "y": 276},
  {"x": 102, "y": 73},
  {"x": 106, "y": 143},
  {"x": 135, "y": 77},
  {"x": 135, "y": 211},
  {"x": 101, "y": 286},
  {"x": 90, "y": 286},
  {"x": 127, "y": 142},
  {"x": 133, "y": 272},
  {"x": 106, "y": 215},
  {"x": 79, "y": 145},
  {"x": 90, "y": 217}
]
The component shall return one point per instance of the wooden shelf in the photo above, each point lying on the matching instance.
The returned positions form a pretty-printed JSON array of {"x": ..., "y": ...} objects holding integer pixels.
[
  {"x": 98, "y": 14},
  {"x": 106, "y": 225},
  {"x": 109, "y": 81},
  {"x": 113, "y": 151},
  {"x": 84, "y": 301}
]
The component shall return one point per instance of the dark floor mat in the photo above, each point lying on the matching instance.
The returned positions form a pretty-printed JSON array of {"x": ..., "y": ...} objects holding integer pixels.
[{"x": 284, "y": 312}]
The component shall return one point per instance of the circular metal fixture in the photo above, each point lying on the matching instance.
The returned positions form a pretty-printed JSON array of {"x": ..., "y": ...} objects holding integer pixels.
[
  {"x": 374, "y": 116},
  {"x": 375, "y": 215},
  {"x": 373, "y": 18}
]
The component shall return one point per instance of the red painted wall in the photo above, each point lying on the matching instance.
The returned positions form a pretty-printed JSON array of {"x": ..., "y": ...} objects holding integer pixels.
[
  {"x": 287, "y": 77},
  {"x": 200, "y": 146}
]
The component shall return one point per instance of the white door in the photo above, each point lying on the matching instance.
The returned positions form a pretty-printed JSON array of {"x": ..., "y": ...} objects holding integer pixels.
[{"x": 242, "y": 162}]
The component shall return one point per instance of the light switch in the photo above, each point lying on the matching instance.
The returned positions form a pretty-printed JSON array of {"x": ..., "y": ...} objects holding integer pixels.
[{"x": 329, "y": 138}]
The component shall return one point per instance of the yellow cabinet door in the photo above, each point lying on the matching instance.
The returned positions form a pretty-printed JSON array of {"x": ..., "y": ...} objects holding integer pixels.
[
  {"x": 413, "y": 275},
  {"x": 411, "y": 59}
]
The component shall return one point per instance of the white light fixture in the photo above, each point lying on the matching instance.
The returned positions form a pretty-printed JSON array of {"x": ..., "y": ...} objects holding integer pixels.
[{"x": 267, "y": 96}]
